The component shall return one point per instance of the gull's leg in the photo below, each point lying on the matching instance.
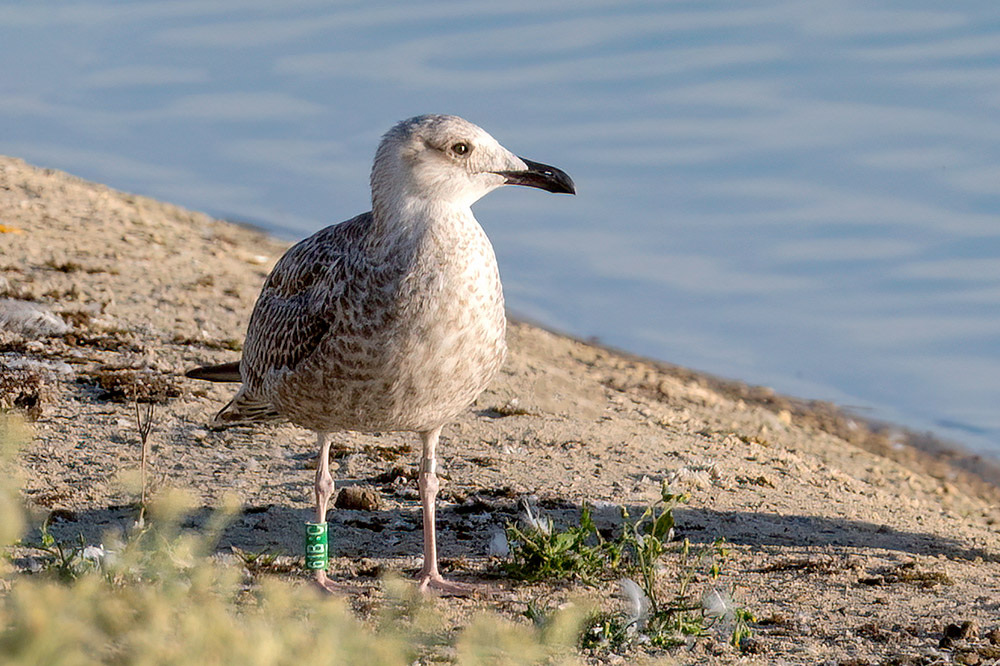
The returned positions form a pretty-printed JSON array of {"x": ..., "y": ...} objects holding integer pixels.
[
  {"x": 324, "y": 489},
  {"x": 429, "y": 576}
]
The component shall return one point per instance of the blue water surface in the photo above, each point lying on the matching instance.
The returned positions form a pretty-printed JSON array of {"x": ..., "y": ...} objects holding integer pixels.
[{"x": 800, "y": 194}]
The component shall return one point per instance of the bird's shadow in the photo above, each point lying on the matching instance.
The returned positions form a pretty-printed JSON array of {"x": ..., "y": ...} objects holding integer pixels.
[{"x": 465, "y": 530}]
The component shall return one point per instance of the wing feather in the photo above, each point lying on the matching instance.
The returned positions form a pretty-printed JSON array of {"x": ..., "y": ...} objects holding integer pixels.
[{"x": 300, "y": 299}]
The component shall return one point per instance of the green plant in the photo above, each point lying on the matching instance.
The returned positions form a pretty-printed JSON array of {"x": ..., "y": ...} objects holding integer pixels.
[
  {"x": 159, "y": 597},
  {"x": 66, "y": 561},
  {"x": 741, "y": 627},
  {"x": 163, "y": 600},
  {"x": 541, "y": 552},
  {"x": 266, "y": 561},
  {"x": 689, "y": 607},
  {"x": 13, "y": 433}
]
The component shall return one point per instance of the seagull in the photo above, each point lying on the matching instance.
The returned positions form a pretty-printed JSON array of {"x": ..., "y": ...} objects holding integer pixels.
[{"x": 390, "y": 321}]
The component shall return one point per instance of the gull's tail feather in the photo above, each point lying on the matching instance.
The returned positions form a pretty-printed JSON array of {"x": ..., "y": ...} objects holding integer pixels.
[
  {"x": 244, "y": 410},
  {"x": 224, "y": 372}
]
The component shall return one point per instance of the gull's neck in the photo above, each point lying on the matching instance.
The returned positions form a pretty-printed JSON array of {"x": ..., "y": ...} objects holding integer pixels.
[{"x": 408, "y": 217}]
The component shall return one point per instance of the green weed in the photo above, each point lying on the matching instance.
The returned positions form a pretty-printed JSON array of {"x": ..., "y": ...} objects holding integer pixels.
[
  {"x": 266, "y": 561},
  {"x": 65, "y": 561},
  {"x": 156, "y": 596},
  {"x": 660, "y": 613},
  {"x": 542, "y": 553}
]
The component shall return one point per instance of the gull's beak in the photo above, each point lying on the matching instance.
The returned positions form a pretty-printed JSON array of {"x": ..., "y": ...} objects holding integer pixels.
[{"x": 542, "y": 176}]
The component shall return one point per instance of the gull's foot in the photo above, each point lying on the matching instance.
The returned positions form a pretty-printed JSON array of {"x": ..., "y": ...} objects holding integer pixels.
[
  {"x": 335, "y": 588},
  {"x": 435, "y": 581}
]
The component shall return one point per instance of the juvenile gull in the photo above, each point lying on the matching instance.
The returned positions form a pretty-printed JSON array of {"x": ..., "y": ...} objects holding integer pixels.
[{"x": 393, "y": 320}]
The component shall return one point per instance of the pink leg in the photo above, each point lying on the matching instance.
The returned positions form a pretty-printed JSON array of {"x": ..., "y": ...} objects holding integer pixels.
[
  {"x": 429, "y": 576},
  {"x": 324, "y": 489}
]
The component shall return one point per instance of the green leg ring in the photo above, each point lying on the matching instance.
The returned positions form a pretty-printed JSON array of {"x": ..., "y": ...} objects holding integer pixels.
[{"x": 317, "y": 547}]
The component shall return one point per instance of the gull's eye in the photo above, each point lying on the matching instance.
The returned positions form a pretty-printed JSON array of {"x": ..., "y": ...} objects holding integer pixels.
[{"x": 460, "y": 148}]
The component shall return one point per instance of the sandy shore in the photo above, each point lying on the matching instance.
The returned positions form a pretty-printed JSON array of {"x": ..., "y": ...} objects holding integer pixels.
[{"x": 848, "y": 543}]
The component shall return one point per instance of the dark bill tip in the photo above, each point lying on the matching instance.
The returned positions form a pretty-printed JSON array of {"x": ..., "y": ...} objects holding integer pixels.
[{"x": 542, "y": 176}]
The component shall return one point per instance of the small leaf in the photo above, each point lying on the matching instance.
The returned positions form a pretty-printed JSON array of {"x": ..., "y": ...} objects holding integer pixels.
[{"x": 663, "y": 524}]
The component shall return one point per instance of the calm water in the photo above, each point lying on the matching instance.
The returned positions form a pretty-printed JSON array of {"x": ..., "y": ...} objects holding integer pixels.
[{"x": 799, "y": 194}]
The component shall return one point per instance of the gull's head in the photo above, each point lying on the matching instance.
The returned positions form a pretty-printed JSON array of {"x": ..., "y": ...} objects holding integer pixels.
[{"x": 448, "y": 159}]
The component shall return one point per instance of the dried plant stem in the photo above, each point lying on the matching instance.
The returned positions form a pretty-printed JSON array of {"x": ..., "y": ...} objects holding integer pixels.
[{"x": 144, "y": 424}]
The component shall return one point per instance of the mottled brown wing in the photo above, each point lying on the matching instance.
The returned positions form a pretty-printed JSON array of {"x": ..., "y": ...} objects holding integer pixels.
[{"x": 296, "y": 305}]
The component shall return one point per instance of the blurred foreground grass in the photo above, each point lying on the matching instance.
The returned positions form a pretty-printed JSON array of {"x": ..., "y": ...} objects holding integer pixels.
[{"x": 156, "y": 597}]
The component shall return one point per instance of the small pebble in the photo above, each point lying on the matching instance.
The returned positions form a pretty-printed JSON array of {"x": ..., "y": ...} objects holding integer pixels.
[
  {"x": 969, "y": 658},
  {"x": 358, "y": 499},
  {"x": 967, "y": 629},
  {"x": 752, "y": 645}
]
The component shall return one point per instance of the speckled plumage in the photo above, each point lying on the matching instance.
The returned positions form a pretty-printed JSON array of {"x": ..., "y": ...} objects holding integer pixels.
[
  {"x": 356, "y": 330},
  {"x": 393, "y": 320}
]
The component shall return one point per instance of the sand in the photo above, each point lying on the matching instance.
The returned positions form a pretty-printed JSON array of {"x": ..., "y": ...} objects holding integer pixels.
[{"x": 850, "y": 543}]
